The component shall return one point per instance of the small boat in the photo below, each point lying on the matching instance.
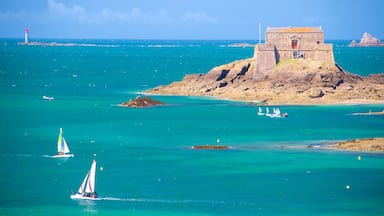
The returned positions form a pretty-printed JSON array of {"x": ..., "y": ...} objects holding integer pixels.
[
  {"x": 87, "y": 188},
  {"x": 62, "y": 147},
  {"x": 48, "y": 98},
  {"x": 276, "y": 113}
]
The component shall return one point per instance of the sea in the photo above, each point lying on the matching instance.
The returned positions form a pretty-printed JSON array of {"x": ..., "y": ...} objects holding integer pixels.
[{"x": 145, "y": 161}]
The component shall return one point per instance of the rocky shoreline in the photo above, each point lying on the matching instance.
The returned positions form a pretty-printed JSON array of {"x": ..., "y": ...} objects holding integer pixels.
[{"x": 296, "y": 82}]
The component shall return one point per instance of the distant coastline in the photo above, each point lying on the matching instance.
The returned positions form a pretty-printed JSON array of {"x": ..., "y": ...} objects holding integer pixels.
[{"x": 62, "y": 44}]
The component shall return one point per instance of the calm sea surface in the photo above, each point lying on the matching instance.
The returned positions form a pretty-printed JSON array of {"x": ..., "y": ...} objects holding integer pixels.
[{"x": 145, "y": 162}]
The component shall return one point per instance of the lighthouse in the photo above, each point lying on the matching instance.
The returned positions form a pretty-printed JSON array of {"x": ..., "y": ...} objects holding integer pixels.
[{"x": 26, "y": 35}]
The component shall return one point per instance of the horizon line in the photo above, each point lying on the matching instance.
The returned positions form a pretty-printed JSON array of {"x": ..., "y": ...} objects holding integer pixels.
[{"x": 169, "y": 39}]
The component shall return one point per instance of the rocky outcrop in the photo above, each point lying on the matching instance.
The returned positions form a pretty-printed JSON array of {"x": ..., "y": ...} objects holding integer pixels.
[
  {"x": 368, "y": 145},
  {"x": 297, "y": 81},
  {"x": 140, "y": 102},
  {"x": 366, "y": 41}
]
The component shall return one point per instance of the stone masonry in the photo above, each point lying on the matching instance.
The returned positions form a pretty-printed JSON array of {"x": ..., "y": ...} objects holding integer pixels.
[{"x": 290, "y": 43}]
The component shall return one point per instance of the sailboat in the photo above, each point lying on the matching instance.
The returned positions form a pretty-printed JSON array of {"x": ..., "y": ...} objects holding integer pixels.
[
  {"x": 267, "y": 112},
  {"x": 260, "y": 112},
  {"x": 87, "y": 188},
  {"x": 62, "y": 147}
]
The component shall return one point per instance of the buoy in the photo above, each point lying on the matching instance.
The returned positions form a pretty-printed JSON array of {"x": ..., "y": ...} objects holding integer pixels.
[
  {"x": 101, "y": 168},
  {"x": 347, "y": 187},
  {"x": 359, "y": 157}
]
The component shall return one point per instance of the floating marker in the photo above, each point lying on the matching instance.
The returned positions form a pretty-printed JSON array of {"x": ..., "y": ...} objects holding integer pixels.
[
  {"x": 101, "y": 168},
  {"x": 347, "y": 187},
  {"x": 359, "y": 157}
]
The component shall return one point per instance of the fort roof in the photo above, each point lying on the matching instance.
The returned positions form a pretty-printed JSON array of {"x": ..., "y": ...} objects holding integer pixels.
[{"x": 290, "y": 29}]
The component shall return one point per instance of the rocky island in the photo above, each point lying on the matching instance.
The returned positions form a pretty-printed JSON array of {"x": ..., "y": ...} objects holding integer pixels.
[
  {"x": 141, "y": 102},
  {"x": 293, "y": 67},
  {"x": 365, "y": 145},
  {"x": 367, "y": 40}
]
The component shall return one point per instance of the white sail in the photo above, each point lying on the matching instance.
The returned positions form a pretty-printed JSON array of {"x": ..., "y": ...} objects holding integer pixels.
[
  {"x": 90, "y": 186},
  {"x": 65, "y": 148},
  {"x": 82, "y": 186}
]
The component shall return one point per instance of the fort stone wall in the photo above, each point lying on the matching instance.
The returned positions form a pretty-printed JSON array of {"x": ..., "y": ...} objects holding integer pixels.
[{"x": 291, "y": 43}]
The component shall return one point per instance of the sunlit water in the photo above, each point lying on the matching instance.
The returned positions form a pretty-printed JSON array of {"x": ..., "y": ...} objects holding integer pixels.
[{"x": 145, "y": 162}]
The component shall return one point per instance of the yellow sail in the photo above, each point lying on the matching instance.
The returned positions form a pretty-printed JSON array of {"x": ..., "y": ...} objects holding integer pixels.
[{"x": 59, "y": 141}]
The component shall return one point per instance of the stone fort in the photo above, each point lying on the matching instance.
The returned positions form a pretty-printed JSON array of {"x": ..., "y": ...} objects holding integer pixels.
[{"x": 291, "y": 43}]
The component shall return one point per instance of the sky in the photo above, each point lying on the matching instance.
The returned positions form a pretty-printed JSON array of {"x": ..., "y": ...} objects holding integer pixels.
[{"x": 186, "y": 19}]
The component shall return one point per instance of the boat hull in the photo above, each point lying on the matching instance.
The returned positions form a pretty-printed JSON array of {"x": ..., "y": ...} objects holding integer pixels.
[
  {"x": 63, "y": 156},
  {"x": 81, "y": 197}
]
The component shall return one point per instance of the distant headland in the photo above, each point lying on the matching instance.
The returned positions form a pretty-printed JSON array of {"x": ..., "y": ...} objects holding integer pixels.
[
  {"x": 367, "y": 40},
  {"x": 294, "y": 66},
  {"x": 62, "y": 44}
]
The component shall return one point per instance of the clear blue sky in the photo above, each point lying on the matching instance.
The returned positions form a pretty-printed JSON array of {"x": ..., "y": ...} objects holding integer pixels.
[{"x": 186, "y": 19}]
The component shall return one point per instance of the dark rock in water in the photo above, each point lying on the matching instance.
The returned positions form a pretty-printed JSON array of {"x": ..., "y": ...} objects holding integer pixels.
[
  {"x": 140, "y": 102},
  {"x": 210, "y": 147}
]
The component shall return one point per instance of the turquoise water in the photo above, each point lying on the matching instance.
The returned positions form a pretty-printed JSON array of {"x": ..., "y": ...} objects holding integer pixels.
[{"x": 148, "y": 165}]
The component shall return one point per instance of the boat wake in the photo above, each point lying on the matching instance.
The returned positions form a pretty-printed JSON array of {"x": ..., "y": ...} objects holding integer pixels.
[
  {"x": 165, "y": 201},
  {"x": 59, "y": 156},
  {"x": 160, "y": 200},
  {"x": 30, "y": 155}
]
